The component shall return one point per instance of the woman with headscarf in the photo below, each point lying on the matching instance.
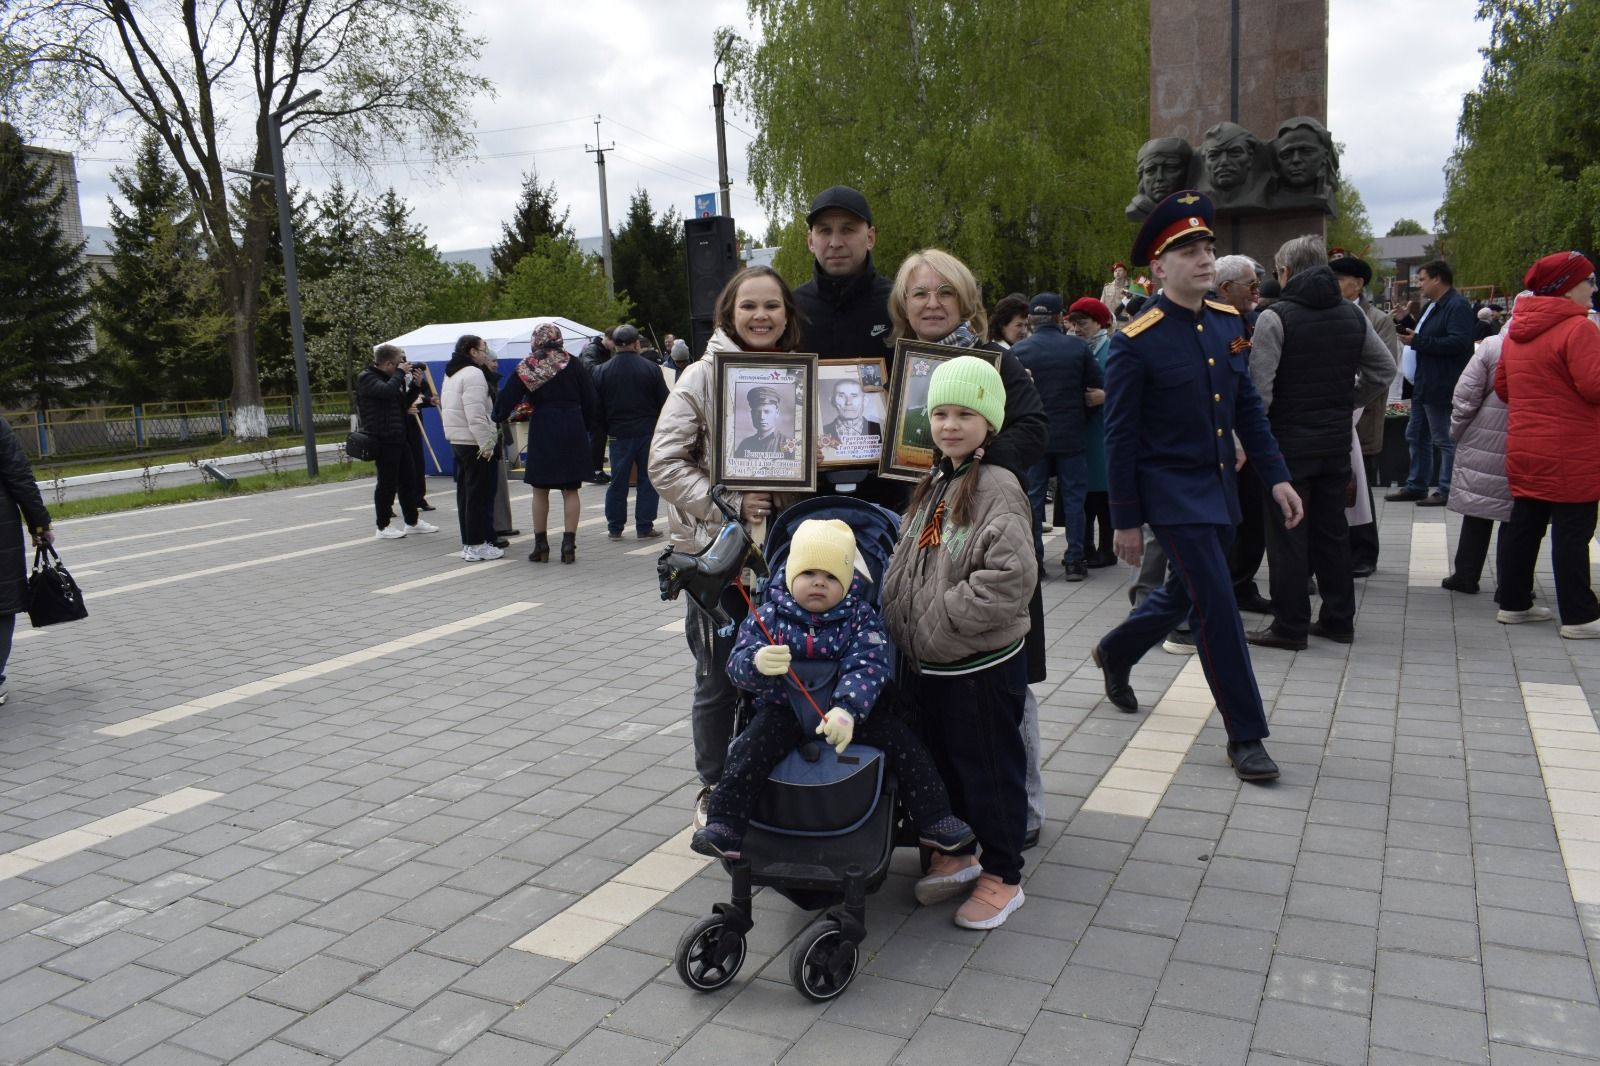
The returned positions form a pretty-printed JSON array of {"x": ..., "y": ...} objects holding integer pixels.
[
  {"x": 561, "y": 404},
  {"x": 1549, "y": 377}
]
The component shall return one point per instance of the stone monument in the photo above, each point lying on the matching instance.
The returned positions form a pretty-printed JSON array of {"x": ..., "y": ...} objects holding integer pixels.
[{"x": 1244, "y": 87}]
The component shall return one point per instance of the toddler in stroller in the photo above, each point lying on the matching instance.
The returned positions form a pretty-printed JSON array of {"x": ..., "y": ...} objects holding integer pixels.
[
  {"x": 821, "y": 614},
  {"x": 820, "y": 828}
]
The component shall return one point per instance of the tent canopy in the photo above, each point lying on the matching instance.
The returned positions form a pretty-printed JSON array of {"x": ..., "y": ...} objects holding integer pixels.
[{"x": 508, "y": 338}]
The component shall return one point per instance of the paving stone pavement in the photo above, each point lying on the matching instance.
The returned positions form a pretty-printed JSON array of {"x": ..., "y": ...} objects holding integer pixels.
[{"x": 219, "y": 845}]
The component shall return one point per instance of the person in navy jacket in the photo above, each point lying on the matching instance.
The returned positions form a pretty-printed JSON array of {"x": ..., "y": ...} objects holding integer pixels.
[
  {"x": 1178, "y": 393},
  {"x": 1443, "y": 343}
]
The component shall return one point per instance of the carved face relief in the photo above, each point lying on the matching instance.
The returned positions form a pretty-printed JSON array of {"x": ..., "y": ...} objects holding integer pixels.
[
  {"x": 1161, "y": 174},
  {"x": 1228, "y": 164},
  {"x": 1302, "y": 159}
]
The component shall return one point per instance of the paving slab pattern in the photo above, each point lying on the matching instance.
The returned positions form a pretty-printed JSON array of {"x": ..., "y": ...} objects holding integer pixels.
[{"x": 248, "y": 815}]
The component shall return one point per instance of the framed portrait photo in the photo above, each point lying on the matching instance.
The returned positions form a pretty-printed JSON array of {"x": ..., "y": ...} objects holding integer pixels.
[
  {"x": 908, "y": 451},
  {"x": 850, "y": 402},
  {"x": 764, "y": 436}
]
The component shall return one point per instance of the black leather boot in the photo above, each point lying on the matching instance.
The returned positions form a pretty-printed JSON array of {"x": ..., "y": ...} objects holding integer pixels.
[
  {"x": 541, "y": 549},
  {"x": 569, "y": 547}
]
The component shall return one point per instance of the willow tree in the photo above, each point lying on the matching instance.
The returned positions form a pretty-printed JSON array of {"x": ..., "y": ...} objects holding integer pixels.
[
  {"x": 1004, "y": 131},
  {"x": 1525, "y": 176},
  {"x": 396, "y": 78}
]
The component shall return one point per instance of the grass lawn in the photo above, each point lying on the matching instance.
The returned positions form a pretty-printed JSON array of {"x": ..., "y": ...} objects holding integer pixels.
[
  {"x": 128, "y": 501},
  {"x": 50, "y": 469}
]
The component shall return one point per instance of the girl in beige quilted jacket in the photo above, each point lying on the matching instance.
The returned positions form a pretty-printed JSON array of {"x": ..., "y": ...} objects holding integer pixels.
[{"x": 955, "y": 601}]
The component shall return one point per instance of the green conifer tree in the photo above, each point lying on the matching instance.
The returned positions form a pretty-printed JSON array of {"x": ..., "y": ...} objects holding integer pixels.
[{"x": 44, "y": 288}]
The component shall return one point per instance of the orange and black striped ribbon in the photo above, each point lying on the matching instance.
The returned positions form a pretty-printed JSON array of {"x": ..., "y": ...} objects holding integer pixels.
[{"x": 930, "y": 532}]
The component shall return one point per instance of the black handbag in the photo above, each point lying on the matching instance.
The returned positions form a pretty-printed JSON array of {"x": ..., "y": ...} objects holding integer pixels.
[
  {"x": 361, "y": 445},
  {"x": 53, "y": 596}
]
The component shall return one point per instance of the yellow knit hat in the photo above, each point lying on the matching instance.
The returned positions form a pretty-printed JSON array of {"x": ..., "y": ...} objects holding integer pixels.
[{"x": 823, "y": 544}]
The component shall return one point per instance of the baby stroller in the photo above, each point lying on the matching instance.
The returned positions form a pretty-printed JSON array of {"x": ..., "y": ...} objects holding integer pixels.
[{"x": 826, "y": 825}]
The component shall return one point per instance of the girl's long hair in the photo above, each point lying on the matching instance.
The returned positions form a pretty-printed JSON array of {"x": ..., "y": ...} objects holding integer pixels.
[{"x": 958, "y": 510}]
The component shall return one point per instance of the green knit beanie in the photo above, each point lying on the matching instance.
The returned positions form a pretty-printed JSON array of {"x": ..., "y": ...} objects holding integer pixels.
[{"x": 968, "y": 381}]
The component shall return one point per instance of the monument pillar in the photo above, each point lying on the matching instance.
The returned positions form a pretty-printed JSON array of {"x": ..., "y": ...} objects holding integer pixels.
[{"x": 1253, "y": 62}]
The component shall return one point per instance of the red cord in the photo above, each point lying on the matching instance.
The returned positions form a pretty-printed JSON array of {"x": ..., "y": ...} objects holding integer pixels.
[{"x": 771, "y": 640}]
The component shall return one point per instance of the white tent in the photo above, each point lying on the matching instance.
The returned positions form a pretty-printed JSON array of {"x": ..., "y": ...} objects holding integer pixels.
[{"x": 508, "y": 338}]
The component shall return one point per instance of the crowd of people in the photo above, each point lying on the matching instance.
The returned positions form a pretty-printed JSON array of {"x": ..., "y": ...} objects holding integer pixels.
[{"x": 1191, "y": 423}]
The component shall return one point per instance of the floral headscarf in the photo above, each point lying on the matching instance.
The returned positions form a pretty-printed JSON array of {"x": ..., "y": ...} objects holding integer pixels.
[{"x": 549, "y": 357}]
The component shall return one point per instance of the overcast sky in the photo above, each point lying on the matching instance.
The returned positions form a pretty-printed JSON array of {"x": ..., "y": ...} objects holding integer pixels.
[{"x": 1397, "y": 71}]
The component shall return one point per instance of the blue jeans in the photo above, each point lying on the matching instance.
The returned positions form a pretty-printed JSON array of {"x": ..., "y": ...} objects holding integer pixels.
[
  {"x": 1072, "y": 482},
  {"x": 628, "y": 453},
  {"x": 1429, "y": 428}
]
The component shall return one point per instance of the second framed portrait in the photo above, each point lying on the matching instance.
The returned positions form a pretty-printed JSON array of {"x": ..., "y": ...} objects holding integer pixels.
[
  {"x": 850, "y": 410},
  {"x": 908, "y": 450},
  {"x": 766, "y": 429}
]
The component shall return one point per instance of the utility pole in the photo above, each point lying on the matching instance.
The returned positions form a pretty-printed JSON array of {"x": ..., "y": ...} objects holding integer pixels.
[
  {"x": 722, "y": 134},
  {"x": 605, "y": 213}
]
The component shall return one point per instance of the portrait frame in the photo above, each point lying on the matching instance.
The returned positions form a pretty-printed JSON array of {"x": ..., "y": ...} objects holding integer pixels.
[
  {"x": 870, "y": 373},
  {"x": 739, "y": 459},
  {"x": 903, "y": 458}
]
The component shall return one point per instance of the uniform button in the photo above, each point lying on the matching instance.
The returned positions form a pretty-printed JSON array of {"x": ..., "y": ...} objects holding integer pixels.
[
  {"x": 1219, "y": 466},
  {"x": 1211, "y": 362},
  {"x": 1219, "y": 431},
  {"x": 1216, "y": 397},
  {"x": 1201, "y": 326}
]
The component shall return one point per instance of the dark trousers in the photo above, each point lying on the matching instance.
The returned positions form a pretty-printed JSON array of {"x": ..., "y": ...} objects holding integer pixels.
[
  {"x": 1472, "y": 550},
  {"x": 1096, "y": 524},
  {"x": 774, "y": 732},
  {"x": 1571, "y": 529},
  {"x": 8, "y": 630},
  {"x": 597, "y": 450},
  {"x": 1250, "y": 537},
  {"x": 972, "y": 724},
  {"x": 1364, "y": 538},
  {"x": 628, "y": 454},
  {"x": 1071, "y": 472},
  {"x": 474, "y": 494},
  {"x": 716, "y": 701},
  {"x": 1319, "y": 545},
  {"x": 394, "y": 476},
  {"x": 415, "y": 468},
  {"x": 1198, "y": 591}
]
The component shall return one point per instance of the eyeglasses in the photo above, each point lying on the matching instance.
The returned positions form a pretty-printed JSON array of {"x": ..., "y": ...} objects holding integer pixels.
[{"x": 942, "y": 293}]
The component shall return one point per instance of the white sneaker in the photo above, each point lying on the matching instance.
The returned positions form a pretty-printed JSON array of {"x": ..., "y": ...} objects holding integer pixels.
[
  {"x": 1516, "y": 618},
  {"x": 391, "y": 533},
  {"x": 422, "y": 525},
  {"x": 5, "y": 694},
  {"x": 1583, "y": 631},
  {"x": 702, "y": 807},
  {"x": 469, "y": 552},
  {"x": 488, "y": 551}
]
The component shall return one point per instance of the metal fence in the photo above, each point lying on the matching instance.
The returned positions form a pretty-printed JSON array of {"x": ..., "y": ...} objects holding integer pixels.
[{"x": 77, "y": 432}]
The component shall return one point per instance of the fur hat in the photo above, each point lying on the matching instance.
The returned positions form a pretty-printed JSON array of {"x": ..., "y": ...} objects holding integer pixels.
[
  {"x": 970, "y": 382},
  {"x": 823, "y": 544}
]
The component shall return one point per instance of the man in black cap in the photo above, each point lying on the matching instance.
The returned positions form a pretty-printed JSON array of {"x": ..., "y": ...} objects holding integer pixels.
[
  {"x": 1064, "y": 370},
  {"x": 1178, "y": 390},
  {"x": 1354, "y": 276},
  {"x": 631, "y": 391},
  {"x": 845, "y": 305},
  {"x": 766, "y": 440}
]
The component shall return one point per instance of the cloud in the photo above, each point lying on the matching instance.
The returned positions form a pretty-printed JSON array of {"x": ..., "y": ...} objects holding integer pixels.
[
  {"x": 1397, "y": 71},
  {"x": 1396, "y": 74}
]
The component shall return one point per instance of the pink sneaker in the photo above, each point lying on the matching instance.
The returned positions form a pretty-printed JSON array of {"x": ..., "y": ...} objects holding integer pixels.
[
  {"x": 990, "y": 904},
  {"x": 946, "y": 874}
]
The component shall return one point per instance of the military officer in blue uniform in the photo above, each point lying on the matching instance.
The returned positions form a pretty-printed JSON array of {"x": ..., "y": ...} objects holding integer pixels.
[{"x": 1178, "y": 393}]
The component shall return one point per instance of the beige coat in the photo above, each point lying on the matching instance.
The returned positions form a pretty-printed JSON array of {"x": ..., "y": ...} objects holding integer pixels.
[
  {"x": 1370, "y": 427},
  {"x": 680, "y": 453},
  {"x": 464, "y": 407},
  {"x": 969, "y": 594}
]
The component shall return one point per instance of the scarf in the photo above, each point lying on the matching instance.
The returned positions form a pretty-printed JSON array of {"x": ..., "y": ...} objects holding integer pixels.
[
  {"x": 961, "y": 337},
  {"x": 548, "y": 359}
]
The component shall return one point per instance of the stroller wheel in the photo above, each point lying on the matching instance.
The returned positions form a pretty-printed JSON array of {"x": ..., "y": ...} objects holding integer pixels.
[
  {"x": 823, "y": 962},
  {"x": 701, "y": 963}
]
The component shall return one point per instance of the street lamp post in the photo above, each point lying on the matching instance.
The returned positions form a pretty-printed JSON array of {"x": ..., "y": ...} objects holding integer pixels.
[{"x": 291, "y": 281}]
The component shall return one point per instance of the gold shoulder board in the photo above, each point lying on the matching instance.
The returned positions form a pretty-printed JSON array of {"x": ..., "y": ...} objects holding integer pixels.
[
  {"x": 1218, "y": 305},
  {"x": 1143, "y": 322}
]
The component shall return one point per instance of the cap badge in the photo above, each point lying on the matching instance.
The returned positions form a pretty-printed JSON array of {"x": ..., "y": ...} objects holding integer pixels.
[{"x": 1190, "y": 199}]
